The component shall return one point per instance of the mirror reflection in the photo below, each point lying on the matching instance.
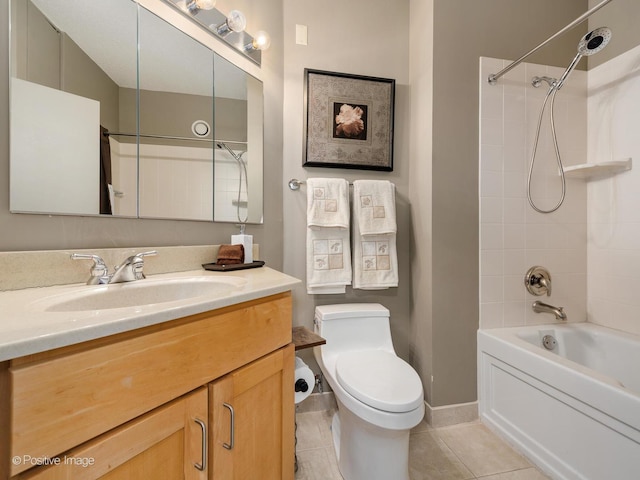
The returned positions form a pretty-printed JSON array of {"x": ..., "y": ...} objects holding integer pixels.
[
  {"x": 175, "y": 157},
  {"x": 66, "y": 87},
  {"x": 238, "y": 154},
  {"x": 179, "y": 127}
]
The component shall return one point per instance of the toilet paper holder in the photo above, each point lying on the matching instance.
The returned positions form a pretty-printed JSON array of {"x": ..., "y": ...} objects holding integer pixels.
[
  {"x": 301, "y": 385},
  {"x": 304, "y": 380}
]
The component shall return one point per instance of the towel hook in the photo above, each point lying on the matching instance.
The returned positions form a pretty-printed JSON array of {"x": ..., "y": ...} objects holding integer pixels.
[{"x": 294, "y": 184}]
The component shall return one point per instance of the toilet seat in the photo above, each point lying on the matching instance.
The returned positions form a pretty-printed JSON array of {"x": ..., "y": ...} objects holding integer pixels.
[{"x": 380, "y": 379}]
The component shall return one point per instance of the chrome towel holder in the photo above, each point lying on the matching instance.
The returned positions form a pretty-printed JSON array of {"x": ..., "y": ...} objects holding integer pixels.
[{"x": 294, "y": 184}]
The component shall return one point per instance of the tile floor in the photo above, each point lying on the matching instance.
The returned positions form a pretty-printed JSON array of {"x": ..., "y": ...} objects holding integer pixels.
[{"x": 458, "y": 452}]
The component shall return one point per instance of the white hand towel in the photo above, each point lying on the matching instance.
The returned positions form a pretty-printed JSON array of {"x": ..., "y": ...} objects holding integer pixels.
[
  {"x": 375, "y": 206},
  {"x": 327, "y": 202},
  {"x": 375, "y": 258},
  {"x": 328, "y": 260}
]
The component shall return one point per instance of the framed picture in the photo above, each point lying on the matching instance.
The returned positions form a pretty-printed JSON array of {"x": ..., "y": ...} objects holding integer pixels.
[{"x": 348, "y": 121}]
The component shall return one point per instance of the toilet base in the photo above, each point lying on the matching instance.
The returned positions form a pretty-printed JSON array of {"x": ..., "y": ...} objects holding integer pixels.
[{"x": 367, "y": 452}]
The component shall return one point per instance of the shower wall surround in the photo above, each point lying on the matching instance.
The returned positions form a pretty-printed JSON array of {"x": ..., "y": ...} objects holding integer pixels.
[
  {"x": 613, "y": 213},
  {"x": 513, "y": 237}
]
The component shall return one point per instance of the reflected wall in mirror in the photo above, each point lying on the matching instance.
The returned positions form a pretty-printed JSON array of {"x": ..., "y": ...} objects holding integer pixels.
[
  {"x": 165, "y": 143},
  {"x": 71, "y": 74},
  {"x": 238, "y": 155},
  {"x": 176, "y": 91}
]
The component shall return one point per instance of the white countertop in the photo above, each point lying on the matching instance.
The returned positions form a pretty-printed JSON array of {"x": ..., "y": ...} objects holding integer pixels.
[{"x": 27, "y": 327}]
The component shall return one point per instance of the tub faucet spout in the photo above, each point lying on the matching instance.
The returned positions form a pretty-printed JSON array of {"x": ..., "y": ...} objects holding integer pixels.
[{"x": 541, "y": 307}]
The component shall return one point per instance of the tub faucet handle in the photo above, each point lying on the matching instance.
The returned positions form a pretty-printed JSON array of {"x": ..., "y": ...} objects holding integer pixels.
[
  {"x": 544, "y": 284},
  {"x": 538, "y": 281}
]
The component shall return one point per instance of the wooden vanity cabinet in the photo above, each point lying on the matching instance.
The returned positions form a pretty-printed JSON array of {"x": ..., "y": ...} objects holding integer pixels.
[
  {"x": 130, "y": 401},
  {"x": 166, "y": 443},
  {"x": 250, "y": 414}
]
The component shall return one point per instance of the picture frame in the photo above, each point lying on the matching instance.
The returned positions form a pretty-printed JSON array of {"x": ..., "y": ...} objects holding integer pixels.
[{"x": 348, "y": 121}]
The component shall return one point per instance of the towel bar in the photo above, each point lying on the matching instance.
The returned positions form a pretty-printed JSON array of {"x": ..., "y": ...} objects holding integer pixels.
[{"x": 294, "y": 184}]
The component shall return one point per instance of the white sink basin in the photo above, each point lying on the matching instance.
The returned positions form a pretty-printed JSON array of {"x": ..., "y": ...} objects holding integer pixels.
[{"x": 140, "y": 293}]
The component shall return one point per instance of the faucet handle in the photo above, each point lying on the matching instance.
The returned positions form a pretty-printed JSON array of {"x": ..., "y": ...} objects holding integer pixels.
[
  {"x": 538, "y": 281},
  {"x": 99, "y": 270},
  {"x": 150, "y": 253},
  {"x": 137, "y": 263}
]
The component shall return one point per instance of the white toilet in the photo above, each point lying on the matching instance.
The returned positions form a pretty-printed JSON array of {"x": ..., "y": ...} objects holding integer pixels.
[{"x": 379, "y": 395}]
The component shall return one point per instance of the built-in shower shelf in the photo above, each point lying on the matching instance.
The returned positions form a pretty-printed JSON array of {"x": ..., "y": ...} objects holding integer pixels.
[{"x": 595, "y": 170}]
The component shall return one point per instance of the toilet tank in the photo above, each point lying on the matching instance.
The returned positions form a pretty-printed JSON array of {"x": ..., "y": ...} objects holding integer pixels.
[{"x": 353, "y": 326}]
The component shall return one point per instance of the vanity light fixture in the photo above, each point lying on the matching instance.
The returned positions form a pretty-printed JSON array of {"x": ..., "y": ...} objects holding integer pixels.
[
  {"x": 235, "y": 22},
  {"x": 227, "y": 28}
]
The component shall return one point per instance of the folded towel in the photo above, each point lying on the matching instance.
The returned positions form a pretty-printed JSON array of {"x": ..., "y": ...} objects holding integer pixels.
[
  {"x": 230, "y": 254},
  {"x": 328, "y": 260},
  {"x": 338, "y": 289},
  {"x": 327, "y": 202},
  {"x": 375, "y": 206},
  {"x": 375, "y": 258}
]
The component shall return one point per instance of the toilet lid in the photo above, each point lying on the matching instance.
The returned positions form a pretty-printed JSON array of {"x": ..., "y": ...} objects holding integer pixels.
[{"x": 380, "y": 379}]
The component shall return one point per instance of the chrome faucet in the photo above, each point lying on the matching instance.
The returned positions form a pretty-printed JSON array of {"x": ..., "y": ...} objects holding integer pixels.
[
  {"x": 540, "y": 307},
  {"x": 131, "y": 269},
  {"x": 128, "y": 271}
]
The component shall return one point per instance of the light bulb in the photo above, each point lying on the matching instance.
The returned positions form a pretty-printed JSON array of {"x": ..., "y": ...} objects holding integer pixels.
[
  {"x": 236, "y": 21},
  {"x": 194, "y": 6},
  {"x": 206, "y": 4},
  {"x": 261, "y": 41}
]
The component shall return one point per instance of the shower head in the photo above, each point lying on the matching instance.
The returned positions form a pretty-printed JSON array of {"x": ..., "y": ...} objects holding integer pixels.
[
  {"x": 594, "y": 41},
  {"x": 590, "y": 44}
]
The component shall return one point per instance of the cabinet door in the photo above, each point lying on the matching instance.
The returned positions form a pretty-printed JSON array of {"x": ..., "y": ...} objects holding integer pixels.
[
  {"x": 169, "y": 442},
  {"x": 252, "y": 420}
]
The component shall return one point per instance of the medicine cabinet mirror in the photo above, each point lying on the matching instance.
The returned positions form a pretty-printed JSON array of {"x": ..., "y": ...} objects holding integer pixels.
[{"x": 116, "y": 112}]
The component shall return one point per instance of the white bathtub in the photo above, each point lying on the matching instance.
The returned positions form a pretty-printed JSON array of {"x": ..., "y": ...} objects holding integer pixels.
[{"x": 575, "y": 410}]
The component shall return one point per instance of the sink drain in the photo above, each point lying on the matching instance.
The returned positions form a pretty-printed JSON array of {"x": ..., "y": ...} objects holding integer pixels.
[{"x": 549, "y": 342}]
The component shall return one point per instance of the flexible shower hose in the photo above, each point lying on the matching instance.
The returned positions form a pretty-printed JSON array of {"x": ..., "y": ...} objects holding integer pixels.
[
  {"x": 242, "y": 167},
  {"x": 551, "y": 93}
]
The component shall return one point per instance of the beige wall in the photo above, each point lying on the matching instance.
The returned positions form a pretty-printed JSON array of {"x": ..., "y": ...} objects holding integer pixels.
[
  {"x": 464, "y": 31},
  {"x": 36, "y": 232},
  {"x": 621, "y": 16},
  {"x": 420, "y": 188},
  {"x": 363, "y": 37}
]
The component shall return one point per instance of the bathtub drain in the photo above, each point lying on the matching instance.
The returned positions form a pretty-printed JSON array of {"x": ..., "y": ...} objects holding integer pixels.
[{"x": 549, "y": 342}]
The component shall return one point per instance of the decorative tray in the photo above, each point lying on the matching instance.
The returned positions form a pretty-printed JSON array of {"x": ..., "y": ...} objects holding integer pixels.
[{"x": 235, "y": 266}]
